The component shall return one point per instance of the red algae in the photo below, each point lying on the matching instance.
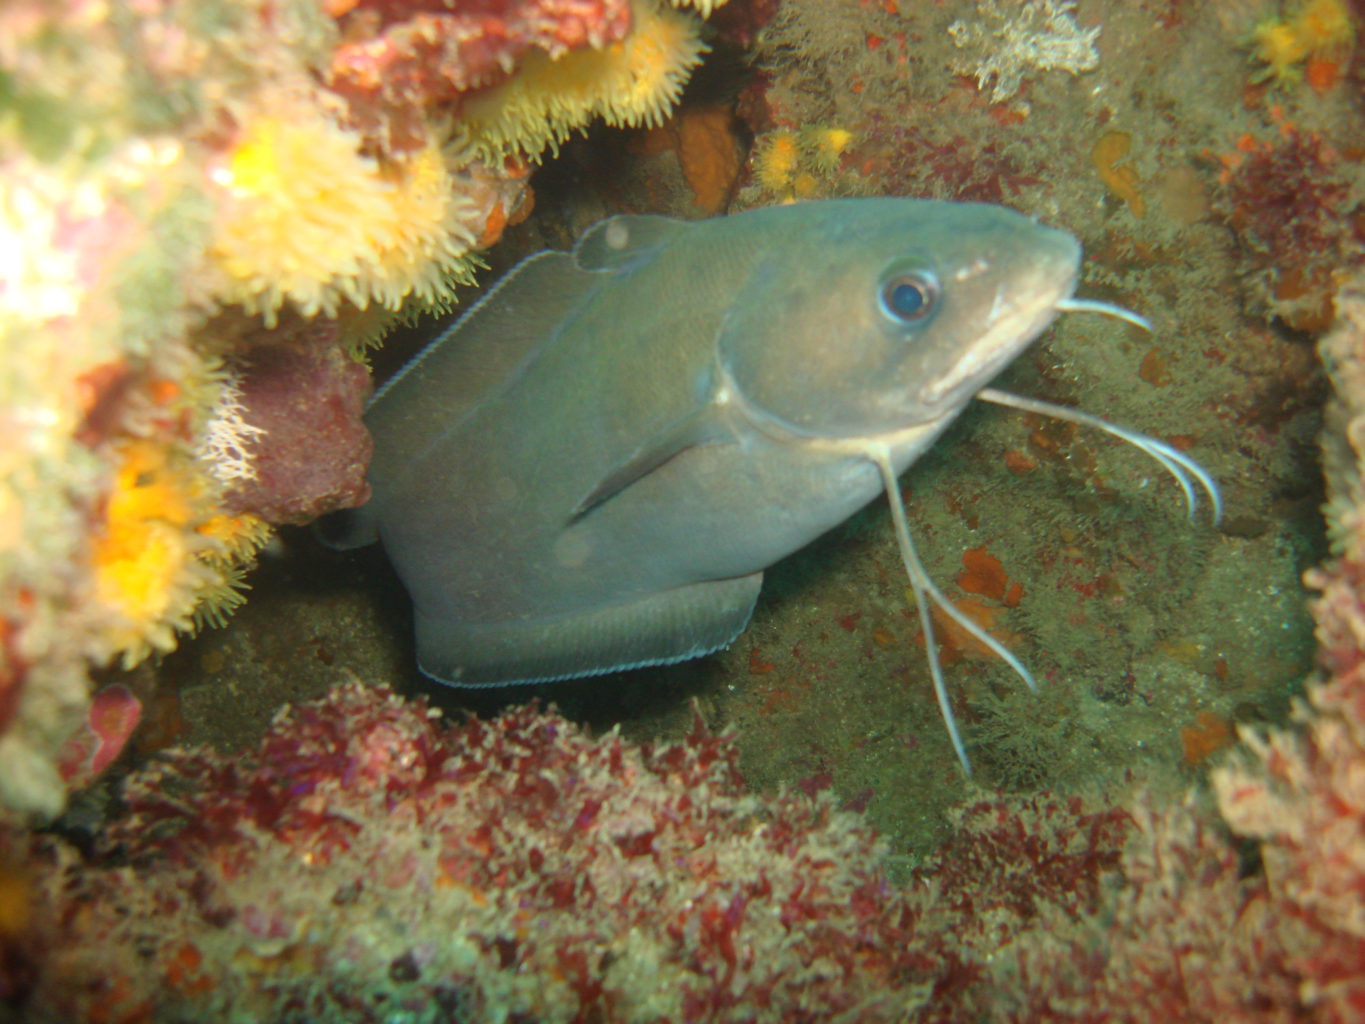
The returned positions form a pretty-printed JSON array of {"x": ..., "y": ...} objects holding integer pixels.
[
  {"x": 368, "y": 861},
  {"x": 398, "y": 60},
  {"x": 1290, "y": 203},
  {"x": 367, "y": 857}
]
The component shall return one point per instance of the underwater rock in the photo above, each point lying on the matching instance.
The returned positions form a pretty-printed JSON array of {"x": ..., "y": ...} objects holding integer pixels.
[
  {"x": 307, "y": 400},
  {"x": 366, "y": 858},
  {"x": 267, "y": 162}
]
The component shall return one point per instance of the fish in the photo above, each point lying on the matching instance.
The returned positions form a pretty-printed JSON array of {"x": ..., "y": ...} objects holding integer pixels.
[{"x": 590, "y": 470}]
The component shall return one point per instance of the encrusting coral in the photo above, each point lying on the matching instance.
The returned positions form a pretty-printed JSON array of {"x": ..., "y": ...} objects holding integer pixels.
[
  {"x": 367, "y": 861},
  {"x": 1303, "y": 795},
  {"x": 513, "y": 869},
  {"x": 199, "y": 199}
]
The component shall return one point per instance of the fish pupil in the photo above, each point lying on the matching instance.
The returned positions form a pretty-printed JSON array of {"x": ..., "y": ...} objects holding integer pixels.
[{"x": 907, "y": 297}]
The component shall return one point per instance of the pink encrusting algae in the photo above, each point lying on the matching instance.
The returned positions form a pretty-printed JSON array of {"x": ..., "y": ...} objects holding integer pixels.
[
  {"x": 368, "y": 860},
  {"x": 369, "y": 863}
]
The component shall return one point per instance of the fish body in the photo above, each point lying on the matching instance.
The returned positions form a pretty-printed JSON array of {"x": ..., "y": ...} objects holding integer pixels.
[{"x": 592, "y": 468}]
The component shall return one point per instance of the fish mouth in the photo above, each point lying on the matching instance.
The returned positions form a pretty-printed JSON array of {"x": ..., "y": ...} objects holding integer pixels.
[{"x": 1010, "y": 331}]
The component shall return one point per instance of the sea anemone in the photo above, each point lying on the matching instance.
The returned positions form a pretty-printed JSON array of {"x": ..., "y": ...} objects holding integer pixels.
[
  {"x": 648, "y": 68},
  {"x": 1325, "y": 25},
  {"x": 164, "y": 560},
  {"x": 309, "y": 218},
  {"x": 775, "y": 160},
  {"x": 235, "y": 539},
  {"x": 1315, "y": 29},
  {"x": 146, "y": 573},
  {"x": 703, "y": 7},
  {"x": 633, "y": 82},
  {"x": 827, "y": 146},
  {"x": 425, "y": 246}
]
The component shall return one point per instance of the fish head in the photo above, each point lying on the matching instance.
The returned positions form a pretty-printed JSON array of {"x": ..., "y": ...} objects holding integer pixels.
[{"x": 864, "y": 317}]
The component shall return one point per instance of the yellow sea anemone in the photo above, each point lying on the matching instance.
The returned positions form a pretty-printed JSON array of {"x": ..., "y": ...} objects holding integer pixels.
[
  {"x": 703, "y": 7},
  {"x": 1325, "y": 25},
  {"x": 306, "y": 217},
  {"x": 776, "y": 160},
  {"x": 164, "y": 561},
  {"x": 236, "y": 539},
  {"x": 633, "y": 82},
  {"x": 1314, "y": 28},
  {"x": 146, "y": 571},
  {"x": 827, "y": 146},
  {"x": 1278, "y": 45},
  {"x": 425, "y": 246},
  {"x": 647, "y": 71}
]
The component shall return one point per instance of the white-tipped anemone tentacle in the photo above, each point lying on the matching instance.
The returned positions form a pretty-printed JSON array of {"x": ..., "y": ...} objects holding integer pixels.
[{"x": 925, "y": 590}]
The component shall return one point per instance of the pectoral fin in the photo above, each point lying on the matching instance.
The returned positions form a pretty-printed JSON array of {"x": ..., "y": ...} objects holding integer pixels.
[{"x": 706, "y": 426}]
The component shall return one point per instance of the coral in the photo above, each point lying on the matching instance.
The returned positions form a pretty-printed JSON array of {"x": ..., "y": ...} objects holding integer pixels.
[
  {"x": 1185, "y": 938},
  {"x": 305, "y": 216},
  {"x": 1010, "y": 861},
  {"x": 828, "y": 146},
  {"x": 775, "y": 159},
  {"x": 366, "y": 861},
  {"x": 800, "y": 165},
  {"x": 1303, "y": 793},
  {"x": 1005, "y": 43},
  {"x": 146, "y": 555},
  {"x": 189, "y": 190},
  {"x": 1317, "y": 35},
  {"x": 1292, "y": 202},
  {"x": 395, "y": 61},
  {"x": 163, "y": 558},
  {"x": 235, "y": 541},
  {"x": 631, "y": 82}
]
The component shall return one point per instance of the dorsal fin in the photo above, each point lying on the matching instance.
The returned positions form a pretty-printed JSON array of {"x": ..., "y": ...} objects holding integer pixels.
[
  {"x": 473, "y": 360},
  {"x": 625, "y": 241}
]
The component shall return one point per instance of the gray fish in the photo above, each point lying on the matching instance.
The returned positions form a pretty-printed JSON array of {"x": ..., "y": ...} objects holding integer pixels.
[{"x": 591, "y": 469}]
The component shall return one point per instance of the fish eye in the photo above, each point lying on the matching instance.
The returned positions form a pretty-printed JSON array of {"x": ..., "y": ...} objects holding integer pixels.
[{"x": 908, "y": 297}]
